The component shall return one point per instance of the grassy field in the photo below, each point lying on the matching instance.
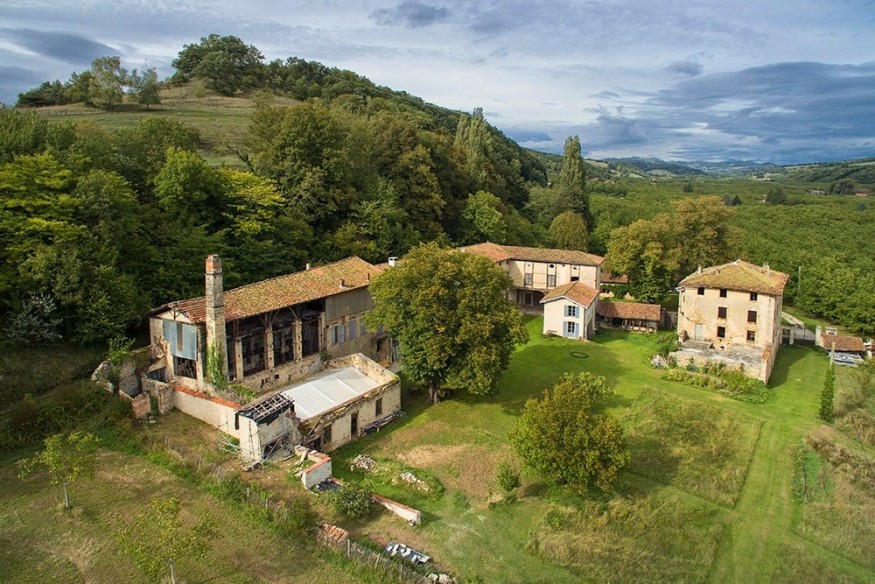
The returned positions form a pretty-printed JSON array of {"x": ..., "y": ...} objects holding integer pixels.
[
  {"x": 221, "y": 120},
  {"x": 40, "y": 542},
  {"x": 26, "y": 370},
  {"x": 706, "y": 498}
]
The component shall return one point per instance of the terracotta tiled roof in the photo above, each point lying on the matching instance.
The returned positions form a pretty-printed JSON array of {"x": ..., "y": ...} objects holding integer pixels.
[
  {"x": 630, "y": 310},
  {"x": 843, "y": 343},
  {"x": 609, "y": 278},
  {"x": 562, "y": 256},
  {"x": 283, "y": 291},
  {"x": 490, "y": 250},
  {"x": 739, "y": 275},
  {"x": 575, "y": 291},
  {"x": 500, "y": 253}
]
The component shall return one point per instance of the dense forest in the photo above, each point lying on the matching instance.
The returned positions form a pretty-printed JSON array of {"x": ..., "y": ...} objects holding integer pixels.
[{"x": 100, "y": 223}]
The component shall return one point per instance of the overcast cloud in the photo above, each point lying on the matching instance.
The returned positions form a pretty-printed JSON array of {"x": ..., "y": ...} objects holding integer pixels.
[{"x": 708, "y": 80}]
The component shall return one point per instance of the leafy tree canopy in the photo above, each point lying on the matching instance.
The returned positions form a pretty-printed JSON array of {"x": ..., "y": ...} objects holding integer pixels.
[
  {"x": 567, "y": 437},
  {"x": 450, "y": 313}
]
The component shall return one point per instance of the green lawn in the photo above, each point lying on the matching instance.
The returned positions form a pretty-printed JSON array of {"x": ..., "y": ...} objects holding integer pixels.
[{"x": 706, "y": 498}]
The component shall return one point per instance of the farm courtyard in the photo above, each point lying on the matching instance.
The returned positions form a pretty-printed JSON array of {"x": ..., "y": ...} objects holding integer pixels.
[{"x": 718, "y": 490}]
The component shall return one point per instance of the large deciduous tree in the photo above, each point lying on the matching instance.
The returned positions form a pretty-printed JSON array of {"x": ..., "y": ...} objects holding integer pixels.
[
  {"x": 226, "y": 63},
  {"x": 566, "y": 436},
  {"x": 107, "y": 82},
  {"x": 703, "y": 234},
  {"x": 656, "y": 253},
  {"x": 450, "y": 313},
  {"x": 486, "y": 222},
  {"x": 644, "y": 252}
]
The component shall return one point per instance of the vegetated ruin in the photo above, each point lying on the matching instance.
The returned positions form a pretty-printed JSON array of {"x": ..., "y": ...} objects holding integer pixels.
[{"x": 295, "y": 342}]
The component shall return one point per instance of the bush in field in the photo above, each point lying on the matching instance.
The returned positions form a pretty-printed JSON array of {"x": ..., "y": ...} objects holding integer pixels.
[
  {"x": 508, "y": 478},
  {"x": 352, "y": 501},
  {"x": 566, "y": 436}
]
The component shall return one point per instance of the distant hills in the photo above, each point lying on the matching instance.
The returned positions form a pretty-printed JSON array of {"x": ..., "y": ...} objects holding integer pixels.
[
  {"x": 657, "y": 166},
  {"x": 861, "y": 172}
]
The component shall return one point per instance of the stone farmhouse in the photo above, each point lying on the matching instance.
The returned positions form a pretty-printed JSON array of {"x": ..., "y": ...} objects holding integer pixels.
[
  {"x": 297, "y": 340},
  {"x": 731, "y": 314}
]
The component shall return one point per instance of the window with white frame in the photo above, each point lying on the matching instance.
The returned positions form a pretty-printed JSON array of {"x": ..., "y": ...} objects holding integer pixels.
[
  {"x": 551, "y": 280},
  {"x": 572, "y": 310}
]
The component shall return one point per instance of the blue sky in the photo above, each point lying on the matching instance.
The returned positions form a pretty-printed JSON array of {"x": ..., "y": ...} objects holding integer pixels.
[{"x": 710, "y": 80}]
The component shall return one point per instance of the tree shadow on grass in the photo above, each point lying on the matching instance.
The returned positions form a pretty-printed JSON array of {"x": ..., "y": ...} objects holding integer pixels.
[{"x": 651, "y": 459}]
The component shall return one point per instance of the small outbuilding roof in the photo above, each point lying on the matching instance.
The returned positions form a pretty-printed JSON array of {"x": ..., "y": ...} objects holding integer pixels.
[
  {"x": 328, "y": 390},
  {"x": 282, "y": 291},
  {"x": 629, "y": 310},
  {"x": 577, "y": 292},
  {"x": 843, "y": 343},
  {"x": 739, "y": 275}
]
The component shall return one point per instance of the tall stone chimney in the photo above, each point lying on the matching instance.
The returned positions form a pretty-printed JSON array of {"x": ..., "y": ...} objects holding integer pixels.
[{"x": 216, "y": 310}]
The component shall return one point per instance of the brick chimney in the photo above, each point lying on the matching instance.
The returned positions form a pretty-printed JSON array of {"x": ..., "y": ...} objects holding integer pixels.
[{"x": 215, "y": 302}]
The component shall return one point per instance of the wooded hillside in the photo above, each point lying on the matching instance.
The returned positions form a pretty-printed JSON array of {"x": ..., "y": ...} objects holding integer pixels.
[{"x": 108, "y": 209}]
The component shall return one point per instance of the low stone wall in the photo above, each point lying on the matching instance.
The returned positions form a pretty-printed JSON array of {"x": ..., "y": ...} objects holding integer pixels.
[
  {"x": 215, "y": 411},
  {"x": 409, "y": 514},
  {"x": 318, "y": 472},
  {"x": 162, "y": 392},
  {"x": 366, "y": 365}
]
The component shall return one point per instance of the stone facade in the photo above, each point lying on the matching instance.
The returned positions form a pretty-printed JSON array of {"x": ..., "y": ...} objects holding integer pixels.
[{"x": 733, "y": 308}]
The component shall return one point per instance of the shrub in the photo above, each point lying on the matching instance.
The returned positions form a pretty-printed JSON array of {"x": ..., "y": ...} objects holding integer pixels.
[
  {"x": 729, "y": 382},
  {"x": 827, "y": 395},
  {"x": 352, "y": 501},
  {"x": 508, "y": 478}
]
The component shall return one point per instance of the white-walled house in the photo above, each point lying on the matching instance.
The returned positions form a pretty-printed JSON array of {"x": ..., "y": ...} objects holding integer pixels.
[{"x": 569, "y": 311}]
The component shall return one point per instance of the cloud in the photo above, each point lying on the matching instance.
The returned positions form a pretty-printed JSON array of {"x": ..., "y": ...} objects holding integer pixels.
[
  {"x": 15, "y": 80},
  {"x": 686, "y": 68},
  {"x": 411, "y": 13},
  {"x": 69, "y": 48},
  {"x": 528, "y": 136}
]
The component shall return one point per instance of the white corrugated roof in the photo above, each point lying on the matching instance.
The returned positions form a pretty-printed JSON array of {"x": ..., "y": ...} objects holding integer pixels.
[{"x": 327, "y": 390}]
